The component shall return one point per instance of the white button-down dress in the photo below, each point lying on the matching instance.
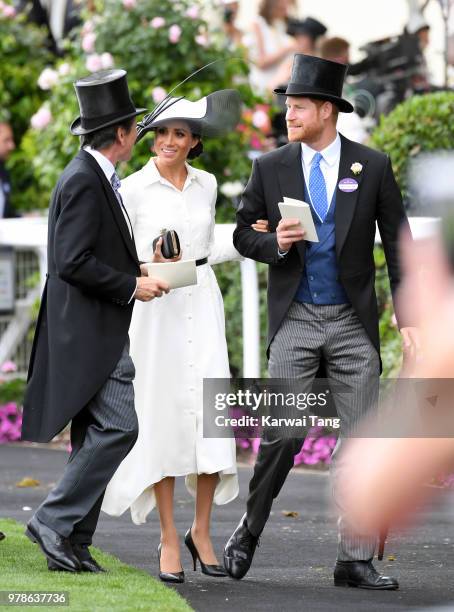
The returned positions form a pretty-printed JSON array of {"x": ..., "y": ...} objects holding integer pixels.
[{"x": 176, "y": 341}]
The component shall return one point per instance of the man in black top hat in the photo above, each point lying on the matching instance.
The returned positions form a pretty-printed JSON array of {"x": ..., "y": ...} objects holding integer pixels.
[
  {"x": 322, "y": 307},
  {"x": 80, "y": 369}
]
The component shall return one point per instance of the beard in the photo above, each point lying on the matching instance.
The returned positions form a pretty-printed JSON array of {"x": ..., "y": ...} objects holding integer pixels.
[{"x": 304, "y": 133}]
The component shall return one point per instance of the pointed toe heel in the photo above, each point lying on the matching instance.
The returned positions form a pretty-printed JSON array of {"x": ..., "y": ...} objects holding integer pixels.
[
  {"x": 215, "y": 571},
  {"x": 175, "y": 577}
]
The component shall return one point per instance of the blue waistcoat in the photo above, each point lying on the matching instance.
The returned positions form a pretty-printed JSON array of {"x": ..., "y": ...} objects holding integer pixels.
[{"x": 319, "y": 282}]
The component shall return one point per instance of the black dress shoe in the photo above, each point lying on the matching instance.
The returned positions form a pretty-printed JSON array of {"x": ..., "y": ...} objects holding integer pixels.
[
  {"x": 216, "y": 571},
  {"x": 54, "y": 546},
  {"x": 87, "y": 562},
  {"x": 169, "y": 576},
  {"x": 363, "y": 575},
  {"x": 239, "y": 550}
]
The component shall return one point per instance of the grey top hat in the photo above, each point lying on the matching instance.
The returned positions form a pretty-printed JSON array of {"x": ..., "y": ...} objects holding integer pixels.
[
  {"x": 104, "y": 100},
  {"x": 313, "y": 77}
]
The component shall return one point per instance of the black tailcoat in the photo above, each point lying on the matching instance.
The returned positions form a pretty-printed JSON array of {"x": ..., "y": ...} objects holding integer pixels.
[
  {"x": 377, "y": 200},
  {"x": 84, "y": 316}
]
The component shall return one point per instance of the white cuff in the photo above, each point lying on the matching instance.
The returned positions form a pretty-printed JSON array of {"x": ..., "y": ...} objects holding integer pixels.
[{"x": 134, "y": 292}]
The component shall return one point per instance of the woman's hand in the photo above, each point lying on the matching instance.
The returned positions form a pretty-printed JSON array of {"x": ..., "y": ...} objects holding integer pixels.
[
  {"x": 261, "y": 225},
  {"x": 157, "y": 255}
]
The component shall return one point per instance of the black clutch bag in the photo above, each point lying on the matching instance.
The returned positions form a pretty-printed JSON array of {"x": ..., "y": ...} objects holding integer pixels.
[{"x": 170, "y": 244}]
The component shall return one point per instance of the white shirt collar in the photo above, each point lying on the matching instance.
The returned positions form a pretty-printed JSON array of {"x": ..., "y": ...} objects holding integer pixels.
[
  {"x": 152, "y": 175},
  {"x": 106, "y": 165},
  {"x": 331, "y": 153}
]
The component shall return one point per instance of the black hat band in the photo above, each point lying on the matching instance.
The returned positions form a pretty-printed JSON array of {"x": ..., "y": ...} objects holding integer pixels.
[{"x": 89, "y": 123}]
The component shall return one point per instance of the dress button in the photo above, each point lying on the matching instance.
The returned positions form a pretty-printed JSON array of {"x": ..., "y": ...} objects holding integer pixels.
[
  {"x": 189, "y": 341},
  {"x": 187, "y": 244},
  {"x": 315, "y": 294},
  {"x": 191, "y": 365},
  {"x": 189, "y": 317}
]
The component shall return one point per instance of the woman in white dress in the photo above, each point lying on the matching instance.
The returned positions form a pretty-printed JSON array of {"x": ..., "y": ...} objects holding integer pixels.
[
  {"x": 269, "y": 44},
  {"x": 175, "y": 344}
]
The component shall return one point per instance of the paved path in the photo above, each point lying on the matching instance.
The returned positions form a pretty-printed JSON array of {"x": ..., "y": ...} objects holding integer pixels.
[{"x": 292, "y": 569}]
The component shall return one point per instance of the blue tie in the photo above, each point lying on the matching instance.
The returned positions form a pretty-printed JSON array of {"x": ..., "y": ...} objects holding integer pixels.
[
  {"x": 317, "y": 188},
  {"x": 116, "y": 184}
]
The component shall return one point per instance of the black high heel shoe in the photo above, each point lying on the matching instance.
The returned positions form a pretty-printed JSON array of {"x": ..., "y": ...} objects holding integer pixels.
[
  {"x": 169, "y": 576},
  {"x": 216, "y": 571}
]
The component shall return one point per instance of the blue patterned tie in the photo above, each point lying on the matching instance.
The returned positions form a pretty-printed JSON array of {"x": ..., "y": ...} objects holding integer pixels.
[
  {"x": 317, "y": 187},
  {"x": 116, "y": 184}
]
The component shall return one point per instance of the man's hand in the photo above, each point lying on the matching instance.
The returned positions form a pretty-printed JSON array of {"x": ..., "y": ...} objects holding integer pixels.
[
  {"x": 289, "y": 231},
  {"x": 149, "y": 288},
  {"x": 261, "y": 225}
]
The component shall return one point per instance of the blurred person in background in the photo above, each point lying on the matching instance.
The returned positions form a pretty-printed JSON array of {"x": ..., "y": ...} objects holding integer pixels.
[
  {"x": 382, "y": 463},
  {"x": 419, "y": 27},
  {"x": 59, "y": 16},
  {"x": 269, "y": 44},
  {"x": 230, "y": 13},
  {"x": 335, "y": 49},
  {"x": 351, "y": 125},
  {"x": 307, "y": 35},
  {"x": 7, "y": 145}
]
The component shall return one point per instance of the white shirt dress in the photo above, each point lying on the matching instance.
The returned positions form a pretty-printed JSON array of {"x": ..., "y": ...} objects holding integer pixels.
[{"x": 176, "y": 341}]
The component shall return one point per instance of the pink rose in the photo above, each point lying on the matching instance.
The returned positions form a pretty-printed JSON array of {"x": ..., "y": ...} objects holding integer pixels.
[
  {"x": 93, "y": 63},
  {"x": 88, "y": 26},
  {"x": 9, "y": 11},
  {"x": 64, "y": 69},
  {"x": 192, "y": 12},
  {"x": 157, "y": 22},
  {"x": 202, "y": 40},
  {"x": 107, "y": 61},
  {"x": 158, "y": 94},
  {"x": 8, "y": 367},
  {"x": 88, "y": 42},
  {"x": 41, "y": 119},
  {"x": 129, "y": 4},
  {"x": 47, "y": 79},
  {"x": 174, "y": 33},
  {"x": 260, "y": 119}
]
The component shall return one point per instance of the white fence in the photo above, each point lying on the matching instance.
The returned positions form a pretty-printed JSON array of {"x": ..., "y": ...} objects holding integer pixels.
[{"x": 28, "y": 237}]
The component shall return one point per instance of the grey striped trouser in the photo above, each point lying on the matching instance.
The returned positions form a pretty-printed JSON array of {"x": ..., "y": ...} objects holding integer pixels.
[
  {"x": 311, "y": 334},
  {"x": 102, "y": 434}
]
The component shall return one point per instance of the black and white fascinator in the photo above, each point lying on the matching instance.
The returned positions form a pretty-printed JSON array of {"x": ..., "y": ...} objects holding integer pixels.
[{"x": 212, "y": 115}]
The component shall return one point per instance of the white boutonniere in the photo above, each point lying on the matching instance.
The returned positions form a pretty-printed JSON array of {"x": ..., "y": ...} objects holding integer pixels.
[{"x": 356, "y": 168}]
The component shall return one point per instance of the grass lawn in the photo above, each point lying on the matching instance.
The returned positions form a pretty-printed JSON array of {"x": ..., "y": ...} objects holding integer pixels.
[{"x": 124, "y": 588}]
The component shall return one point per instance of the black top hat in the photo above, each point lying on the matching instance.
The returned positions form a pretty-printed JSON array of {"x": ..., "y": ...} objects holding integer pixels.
[
  {"x": 313, "y": 77},
  {"x": 310, "y": 26},
  {"x": 104, "y": 100}
]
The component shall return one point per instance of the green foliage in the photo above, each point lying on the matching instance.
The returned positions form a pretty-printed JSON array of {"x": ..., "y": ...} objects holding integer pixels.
[
  {"x": 23, "y": 55},
  {"x": 125, "y": 38},
  {"x": 391, "y": 352},
  {"x": 12, "y": 390},
  {"x": 19, "y": 95},
  {"x": 421, "y": 123}
]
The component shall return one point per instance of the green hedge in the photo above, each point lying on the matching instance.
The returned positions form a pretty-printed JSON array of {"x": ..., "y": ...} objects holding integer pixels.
[{"x": 420, "y": 124}]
